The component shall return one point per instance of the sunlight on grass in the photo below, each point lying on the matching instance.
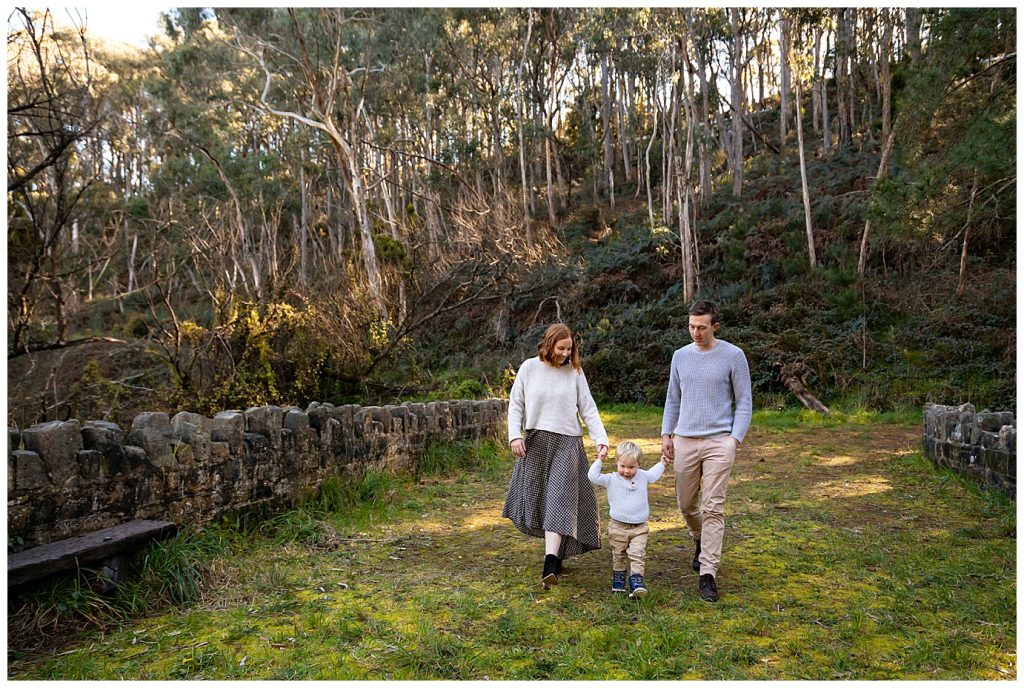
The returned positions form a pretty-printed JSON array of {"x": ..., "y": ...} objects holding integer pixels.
[
  {"x": 851, "y": 488},
  {"x": 836, "y": 460},
  {"x": 847, "y": 556}
]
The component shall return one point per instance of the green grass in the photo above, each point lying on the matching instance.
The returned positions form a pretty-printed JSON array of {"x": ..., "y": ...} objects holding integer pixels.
[{"x": 847, "y": 556}]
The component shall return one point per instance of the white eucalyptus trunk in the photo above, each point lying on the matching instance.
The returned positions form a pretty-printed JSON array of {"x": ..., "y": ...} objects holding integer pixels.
[{"x": 803, "y": 183}]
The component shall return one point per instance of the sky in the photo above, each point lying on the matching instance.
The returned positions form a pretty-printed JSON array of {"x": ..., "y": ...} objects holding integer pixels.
[{"x": 128, "y": 22}]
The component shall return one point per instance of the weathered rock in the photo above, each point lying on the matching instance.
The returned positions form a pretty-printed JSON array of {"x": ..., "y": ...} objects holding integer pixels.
[
  {"x": 194, "y": 430},
  {"x": 332, "y": 438},
  {"x": 13, "y": 439},
  {"x": 29, "y": 471},
  {"x": 256, "y": 443},
  {"x": 267, "y": 421},
  {"x": 136, "y": 455},
  {"x": 297, "y": 421},
  {"x": 105, "y": 424},
  {"x": 152, "y": 432},
  {"x": 1008, "y": 438},
  {"x": 183, "y": 453},
  {"x": 100, "y": 436},
  {"x": 317, "y": 415},
  {"x": 90, "y": 464},
  {"x": 989, "y": 422},
  {"x": 56, "y": 443},
  {"x": 373, "y": 419},
  {"x": 219, "y": 450},
  {"x": 345, "y": 415},
  {"x": 989, "y": 439},
  {"x": 963, "y": 424},
  {"x": 229, "y": 427}
]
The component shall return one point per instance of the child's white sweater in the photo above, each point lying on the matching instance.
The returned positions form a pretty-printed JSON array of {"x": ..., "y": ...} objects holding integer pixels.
[{"x": 627, "y": 499}]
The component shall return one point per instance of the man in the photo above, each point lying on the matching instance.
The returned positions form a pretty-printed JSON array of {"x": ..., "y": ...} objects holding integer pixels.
[{"x": 707, "y": 414}]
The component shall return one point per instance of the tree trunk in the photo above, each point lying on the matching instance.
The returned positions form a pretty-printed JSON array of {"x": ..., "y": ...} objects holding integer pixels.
[
  {"x": 686, "y": 233},
  {"x": 803, "y": 181},
  {"x": 737, "y": 103},
  {"x": 841, "y": 78},
  {"x": 520, "y": 117},
  {"x": 826, "y": 133},
  {"x": 913, "y": 27},
  {"x": 962, "y": 281},
  {"x": 886, "y": 76},
  {"x": 670, "y": 179},
  {"x": 883, "y": 167},
  {"x": 623, "y": 139},
  {"x": 350, "y": 157},
  {"x": 784, "y": 87},
  {"x": 851, "y": 55},
  {"x": 815, "y": 86},
  {"x": 131, "y": 263},
  {"x": 549, "y": 147},
  {"x": 647, "y": 159},
  {"x": 703, "y": 148},
  {"x": 606, "y": 125},
  {"x": 304, "y": 222}
]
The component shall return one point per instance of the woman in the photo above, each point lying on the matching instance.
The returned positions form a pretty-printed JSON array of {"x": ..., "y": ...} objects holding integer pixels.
[{"x": 550, "y": 495}]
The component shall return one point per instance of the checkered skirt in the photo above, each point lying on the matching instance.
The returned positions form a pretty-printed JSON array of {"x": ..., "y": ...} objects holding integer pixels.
[{"x": 549, "y": 491}]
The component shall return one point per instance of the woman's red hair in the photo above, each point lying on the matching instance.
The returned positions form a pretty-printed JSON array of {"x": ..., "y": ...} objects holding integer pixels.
[{"x": 546, "y": 349}]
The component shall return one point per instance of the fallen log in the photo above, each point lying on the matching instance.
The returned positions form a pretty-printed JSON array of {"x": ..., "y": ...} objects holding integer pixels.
[{"x": 793, "y": 376}]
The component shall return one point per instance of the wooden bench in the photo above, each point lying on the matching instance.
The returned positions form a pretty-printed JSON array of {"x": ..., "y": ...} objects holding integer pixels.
[{"x": 108, "y": 546}]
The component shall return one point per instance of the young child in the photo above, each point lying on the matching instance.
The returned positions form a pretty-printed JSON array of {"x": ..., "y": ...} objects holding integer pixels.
[{"x": 628, "y": 509}]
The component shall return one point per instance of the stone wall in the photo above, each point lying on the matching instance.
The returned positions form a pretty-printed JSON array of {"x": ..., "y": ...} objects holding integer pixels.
[
  {"x": 980, "y": 445},
  {"x": 66, "y": 478}
]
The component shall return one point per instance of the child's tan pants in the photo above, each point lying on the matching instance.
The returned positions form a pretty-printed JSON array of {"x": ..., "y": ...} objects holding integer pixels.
[{"x": 628, "y": 541}]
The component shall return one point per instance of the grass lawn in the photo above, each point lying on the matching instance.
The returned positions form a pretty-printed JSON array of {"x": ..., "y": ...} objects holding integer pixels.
[{"x": 847, "y": 556}]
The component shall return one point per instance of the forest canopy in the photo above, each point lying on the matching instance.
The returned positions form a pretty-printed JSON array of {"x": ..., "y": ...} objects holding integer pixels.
[{"x": 280, "y": 205}]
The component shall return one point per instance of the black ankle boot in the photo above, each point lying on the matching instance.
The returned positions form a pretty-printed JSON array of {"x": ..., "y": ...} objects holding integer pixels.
[
  {"x": 549, "y": 577},
  {"x": 696, "y": 556},
  {"x": 708, "y": 588},
  {"x": 558, "y": 566}
]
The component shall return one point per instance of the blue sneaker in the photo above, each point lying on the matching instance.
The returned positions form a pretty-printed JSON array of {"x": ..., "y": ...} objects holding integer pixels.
[
  {"x": 636, "y": 586},
  {"x": 618, "y": 581}
]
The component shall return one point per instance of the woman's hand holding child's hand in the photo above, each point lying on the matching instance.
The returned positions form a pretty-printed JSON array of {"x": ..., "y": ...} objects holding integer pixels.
[{"x": 665, "y": 460}]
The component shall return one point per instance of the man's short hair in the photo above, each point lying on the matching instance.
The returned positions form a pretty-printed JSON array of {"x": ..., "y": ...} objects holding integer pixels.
[{"x": 705, "y": 307}]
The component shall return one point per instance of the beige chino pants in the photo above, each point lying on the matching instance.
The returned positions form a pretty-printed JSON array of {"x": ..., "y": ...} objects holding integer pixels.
[
  {"x": 702, "y": 466},
  {"x": 628, "y": 540}
]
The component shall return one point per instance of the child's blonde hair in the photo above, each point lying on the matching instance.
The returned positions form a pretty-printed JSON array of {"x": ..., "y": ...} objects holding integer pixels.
[{"x": 628, "y": 451}]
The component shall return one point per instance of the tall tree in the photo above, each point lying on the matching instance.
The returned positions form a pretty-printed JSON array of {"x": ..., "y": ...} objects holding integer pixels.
[
  {"x": 51, "y": 113},
  {"x": 330, "y": 89},
  {"x": 799, "y": 60}
]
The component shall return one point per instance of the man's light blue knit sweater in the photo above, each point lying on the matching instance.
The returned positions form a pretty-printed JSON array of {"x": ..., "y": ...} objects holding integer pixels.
[{"x": 708, "y": 392}]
